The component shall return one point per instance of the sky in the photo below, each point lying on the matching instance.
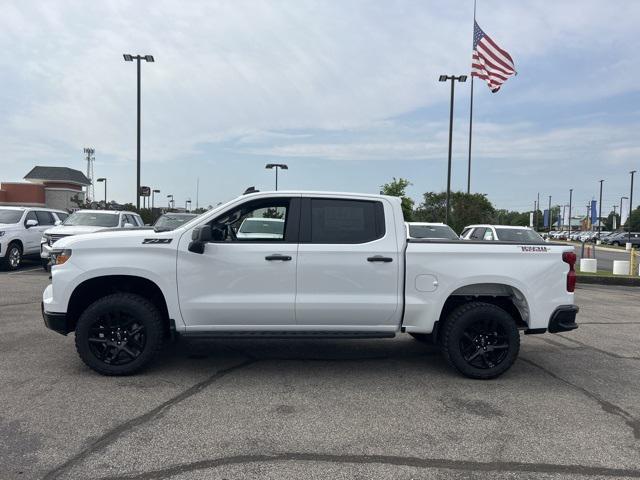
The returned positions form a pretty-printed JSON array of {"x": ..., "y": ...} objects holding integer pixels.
[{"x": 346, "y": 93}]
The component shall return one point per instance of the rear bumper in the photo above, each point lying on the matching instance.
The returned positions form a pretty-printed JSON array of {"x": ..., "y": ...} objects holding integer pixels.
[
  {"x": 563, "y": 319},
  {"x": 57, "y": 322}
]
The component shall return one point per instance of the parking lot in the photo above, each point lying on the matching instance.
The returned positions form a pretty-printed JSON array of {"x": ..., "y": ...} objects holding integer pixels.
[{"x": 279, "y": 409}]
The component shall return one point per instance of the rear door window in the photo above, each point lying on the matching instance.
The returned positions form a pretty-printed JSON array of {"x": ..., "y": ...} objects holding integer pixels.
[{"x": 345, "y": 221}]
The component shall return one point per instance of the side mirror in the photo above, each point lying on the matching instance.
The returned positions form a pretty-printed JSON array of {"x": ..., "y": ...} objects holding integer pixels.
[
  {"x": 128, "y": 225},
  {"x": 58, "y": 222},
  {"x": 31, "y": 223},
  {"x": 200, "y": 236}
]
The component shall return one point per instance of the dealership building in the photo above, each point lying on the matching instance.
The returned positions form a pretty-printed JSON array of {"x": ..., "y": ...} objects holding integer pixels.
[{"x": 51, "y": 187}]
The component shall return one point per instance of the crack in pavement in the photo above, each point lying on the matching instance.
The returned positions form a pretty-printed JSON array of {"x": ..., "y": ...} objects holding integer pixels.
[
  {"x": 158, "y": 412},
  {"x": 400, "y": 461},
  {"x": 607, "y": 406}
]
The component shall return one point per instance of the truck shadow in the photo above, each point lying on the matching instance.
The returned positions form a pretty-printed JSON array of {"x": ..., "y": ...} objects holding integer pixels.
[{"x": 290, "y": 353}]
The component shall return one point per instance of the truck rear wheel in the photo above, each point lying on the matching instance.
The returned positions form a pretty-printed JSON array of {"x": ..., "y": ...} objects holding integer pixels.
[
  {"x": 119, "y": 334},
  {"x": 480, "y": 340}
]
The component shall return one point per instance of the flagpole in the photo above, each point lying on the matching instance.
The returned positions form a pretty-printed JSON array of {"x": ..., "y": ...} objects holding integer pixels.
[{"x": 471, "y": 107}]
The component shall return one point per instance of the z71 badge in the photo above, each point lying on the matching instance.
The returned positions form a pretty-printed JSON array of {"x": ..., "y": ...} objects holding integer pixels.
[{"x": 156, "y": 240}]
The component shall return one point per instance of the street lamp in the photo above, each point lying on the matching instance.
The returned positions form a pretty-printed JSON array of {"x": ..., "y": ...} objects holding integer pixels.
[
  {"x": 453, "y": 78},
  {"x": 152, "y": 198},
  {"x": 614, "y": 226},
  {"x": 549, "y": 214},
  {"x": 600, "y": 211},
  {"x": 103, "y": 179},
  {"x": 276, "y": 166},
  {"x": 570, "y": 199},
  {"x": 170, "y": 197},
  {"x": 187, "y": 202},
  {"x": 632, "y": 173},
  {"x": 621, "y": 223},
  {"x": 130, "y": 58}
]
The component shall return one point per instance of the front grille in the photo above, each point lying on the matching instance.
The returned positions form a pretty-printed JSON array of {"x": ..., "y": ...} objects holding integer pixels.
[{"x": 53, "y": 238}]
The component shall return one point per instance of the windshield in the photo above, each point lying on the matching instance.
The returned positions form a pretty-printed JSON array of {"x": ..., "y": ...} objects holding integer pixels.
[
  {"x": 92, "y": 219},
  {"x": 262, "y": 225},
  {"x": 171, "y": 221},
  {"x": 10, "y": 216},
  {"x": 432, "y": 231},
  {"x": 518, "y": 235}
]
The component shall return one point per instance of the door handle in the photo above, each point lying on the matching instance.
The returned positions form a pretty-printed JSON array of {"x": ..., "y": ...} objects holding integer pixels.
[
  {"x": 275, "y": 256},
  {"x": 379, "y": 258}
]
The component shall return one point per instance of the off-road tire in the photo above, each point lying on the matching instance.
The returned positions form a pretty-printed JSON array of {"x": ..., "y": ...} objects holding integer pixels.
[
  {"x": 468, "y": 317},
  {"x": 134, "y": 306}
]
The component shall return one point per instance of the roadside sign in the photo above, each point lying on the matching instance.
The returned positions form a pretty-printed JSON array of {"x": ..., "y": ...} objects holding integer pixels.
[{"x": 145, "y": 191}]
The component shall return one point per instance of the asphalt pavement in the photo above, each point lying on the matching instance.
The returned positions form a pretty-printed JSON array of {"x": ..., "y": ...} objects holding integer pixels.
[{"x": 291, "y": 409}]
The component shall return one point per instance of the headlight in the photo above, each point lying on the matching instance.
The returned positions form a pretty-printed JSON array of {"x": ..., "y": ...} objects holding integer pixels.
[
  {"x": 1, "y": 233},
  {"x": 60, "y": 257},
  {"x": 44, "y": 239}
]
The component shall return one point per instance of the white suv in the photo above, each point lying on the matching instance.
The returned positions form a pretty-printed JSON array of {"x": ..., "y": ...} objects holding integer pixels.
[
  {"x": 20, "y": 231},
  {"x": 86, "y": 221}
]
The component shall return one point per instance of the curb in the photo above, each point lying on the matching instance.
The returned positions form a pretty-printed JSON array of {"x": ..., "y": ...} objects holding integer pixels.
[{"x": 598, "y": 280}]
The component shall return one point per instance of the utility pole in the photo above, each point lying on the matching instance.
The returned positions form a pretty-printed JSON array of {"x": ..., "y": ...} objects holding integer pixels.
[
  {"x": 90, "y": 153},
  {"x": 600, "y": 211},
  {"x": 570, "y": 198},
  {"x": 632, "y": 172}
]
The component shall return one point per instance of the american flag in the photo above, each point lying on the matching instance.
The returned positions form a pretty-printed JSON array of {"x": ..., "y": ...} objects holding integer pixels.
[{"x": 490, "y": 62}]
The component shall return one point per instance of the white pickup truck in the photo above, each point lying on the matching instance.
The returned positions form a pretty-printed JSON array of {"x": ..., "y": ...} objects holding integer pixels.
[{"x": 341, "y": 268}]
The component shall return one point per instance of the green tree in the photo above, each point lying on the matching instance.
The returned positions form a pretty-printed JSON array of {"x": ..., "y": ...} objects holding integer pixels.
[
  {"x": 466, "y": 209},
  {"x": 634, "y": 220},
  {"x": 397, "y": 188},
  {"x": 608, "y": 222}
]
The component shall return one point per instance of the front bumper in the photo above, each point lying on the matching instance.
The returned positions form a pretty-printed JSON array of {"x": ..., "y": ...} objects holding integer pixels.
[
  {"x": 57, "y": 322},
  {"x": 563, "y": 319}
]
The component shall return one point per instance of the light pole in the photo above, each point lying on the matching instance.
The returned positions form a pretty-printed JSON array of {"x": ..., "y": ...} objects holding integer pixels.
[
  {"x": 549, "y": 214},
  {"x": 614, "y": 223},
  {"x": 600, "y": 211},
  {"x": 170, "y": 197},
  {"x": 570, "y": 198},
  {"x": 461, "y": 79},
  {"x": 103, "y": 179},
  {"x": 129, "y": 58},
  {"x": 187, "y": 202},
  {"x": 621, "y": 223},
  {"x": 277, "y": 166},
  {"x": 152, "y": 198},
  {"x": 632, "y": 173}
]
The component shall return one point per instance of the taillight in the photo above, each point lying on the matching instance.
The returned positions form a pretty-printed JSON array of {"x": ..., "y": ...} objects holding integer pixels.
[{"x": 570, "y": 258}]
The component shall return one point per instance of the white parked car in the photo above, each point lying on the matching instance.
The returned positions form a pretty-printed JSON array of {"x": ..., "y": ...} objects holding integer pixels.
[
  {"x": 343, "y": 268},
  {"x": 86, "y": 221},
  {"x": 500, "y": 233},
  {"x": 430, "y": 230},
  {"x": 20, "y": 232}
]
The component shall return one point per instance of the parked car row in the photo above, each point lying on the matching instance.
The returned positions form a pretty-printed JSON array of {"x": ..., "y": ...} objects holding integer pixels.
[{"x": 32, "y": 231}]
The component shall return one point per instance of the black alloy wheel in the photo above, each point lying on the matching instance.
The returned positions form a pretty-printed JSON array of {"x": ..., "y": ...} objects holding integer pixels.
[{"x": 116, "y": 338}]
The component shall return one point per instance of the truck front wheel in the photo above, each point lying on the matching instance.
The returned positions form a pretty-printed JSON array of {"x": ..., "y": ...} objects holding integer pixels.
[
  {"x": 119, "y": 334},
  {"x": 480, "y": 340}
]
